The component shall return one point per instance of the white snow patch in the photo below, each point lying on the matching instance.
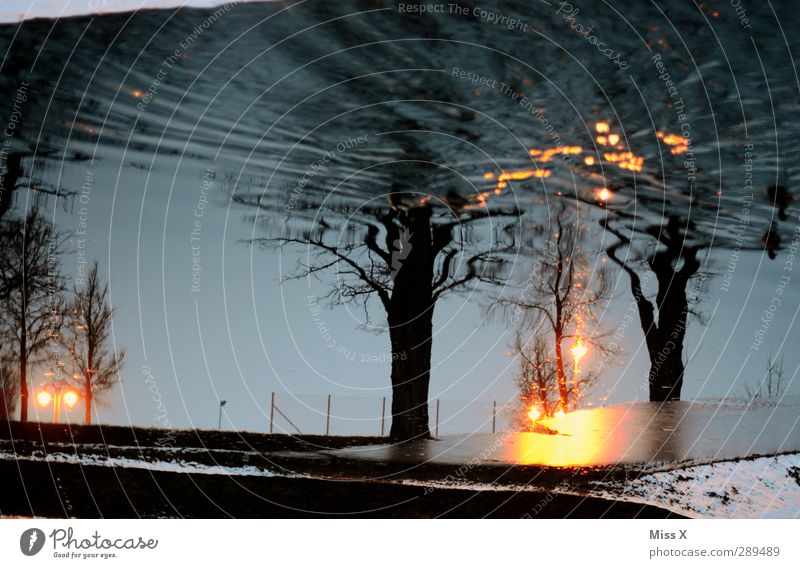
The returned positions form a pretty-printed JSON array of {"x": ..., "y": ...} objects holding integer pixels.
[
  {"x": 174, "y": 466},
  {"x": 767, "y": 487}
]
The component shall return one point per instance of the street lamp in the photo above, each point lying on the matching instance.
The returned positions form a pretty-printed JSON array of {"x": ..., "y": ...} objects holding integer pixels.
[
  {"x": 578, "y": 350},
  {"x": 56, "y": 392},
  {"x": 219, "y": 422}
]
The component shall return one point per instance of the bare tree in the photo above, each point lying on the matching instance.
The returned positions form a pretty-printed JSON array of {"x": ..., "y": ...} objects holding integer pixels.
[
  {"x": 674, "y": 262},
  {"x": 31, "y": 277},
  {"x": 772, "y": 385},
  {"x": 407, "y": 256},
  {"x": 561, "y": 297},
  {"x": 537, "y": 379},
  {"x": 86, "y": 338}
]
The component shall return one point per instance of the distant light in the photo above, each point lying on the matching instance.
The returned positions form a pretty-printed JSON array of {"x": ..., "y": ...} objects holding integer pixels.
[
  {"x": 604, "y": 194},
  {"x": 613, "y": 139},
  {"x": 601, "y": 127},
  {"x": 44, "y": 398},
  {"x": 488, "y": 175},
  {"x": 589, "y": 160},
  {"x": 70, "y": 398}
]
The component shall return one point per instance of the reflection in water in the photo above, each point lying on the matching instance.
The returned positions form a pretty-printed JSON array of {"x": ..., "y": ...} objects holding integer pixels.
[{"x": 629, "y": 434}]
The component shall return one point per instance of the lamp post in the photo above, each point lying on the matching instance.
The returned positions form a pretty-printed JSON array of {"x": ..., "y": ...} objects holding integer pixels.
[
  {"x": 578, "y": 350},
  {"x": 56, "y": 392},
  {"x": 219, "y": 422}
]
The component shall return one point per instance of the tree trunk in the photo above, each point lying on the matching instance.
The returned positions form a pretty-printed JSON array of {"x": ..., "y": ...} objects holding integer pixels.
[
  {"x": 87, "y": 399},
  {"x": 23, "y": 379},
  {"x": 563, "y": 392},
  {"x": 666, "y": 375},
  {"x": 410, "y": 318},
  {"x": 666, "y": 351},
  {"x": 411, "y": 365}
]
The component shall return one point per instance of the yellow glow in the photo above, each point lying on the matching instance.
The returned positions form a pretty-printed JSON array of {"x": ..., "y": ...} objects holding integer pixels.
[
  {"x": 578, "y": 349},
  {"x": 44, "y": 398},
  {"x": 602, "y": 140},
  {"x": 625, "y": 160},
  {"x": 604, "y": 194},
  {"x": 601, "y": 127},
  {"x": 488, "y": 175},
  {"x": 523, "y": 174},
  {"x": 588, "y": 160},
  {"x": 559, "y": 414},
  {"x": 534, "y": 414},
  {"x": 613, "y": 139},
  {"x": 70, "y": 398},
  {"x": 676, "y": 141}
]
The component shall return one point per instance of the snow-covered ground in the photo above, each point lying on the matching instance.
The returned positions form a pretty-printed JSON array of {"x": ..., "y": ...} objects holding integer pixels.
[
  {"x": 174, "y": 465},
  {"x": 767, "y": 487}
]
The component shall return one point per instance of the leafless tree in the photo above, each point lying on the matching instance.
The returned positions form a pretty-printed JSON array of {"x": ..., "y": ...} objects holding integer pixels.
[
  {"x": 31, "y": 279},
  {"x": 675, "y": 262},
  {"x": 772, "y": 385},
  {"x": 407, "y": 256},
  {"x": 561, "y": 298},
  {"x": 95, "y": 364}
]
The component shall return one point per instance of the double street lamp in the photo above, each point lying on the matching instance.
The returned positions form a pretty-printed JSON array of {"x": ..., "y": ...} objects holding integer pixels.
[{"x": 56, "y": 392}]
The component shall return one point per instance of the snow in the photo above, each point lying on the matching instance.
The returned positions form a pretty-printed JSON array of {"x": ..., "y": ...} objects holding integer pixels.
[
  {"x": 173, "y": 466},
  {"x": 766, "y": 487}
]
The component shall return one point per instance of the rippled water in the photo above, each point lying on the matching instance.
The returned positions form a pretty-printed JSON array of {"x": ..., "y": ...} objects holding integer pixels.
[{"x": 265, "y": 89}]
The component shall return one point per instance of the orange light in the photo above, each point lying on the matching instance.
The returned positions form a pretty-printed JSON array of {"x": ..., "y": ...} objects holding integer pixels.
[
  {"x": 601, "y": 127},
  {"x": 44, "y": 398},
  {"x": 613, "y": 139},
  {"x": 70, "y": 398},
  {"x": 578, "y": 349},
  {"x": 602, "y": 140},
  {"x": 604, "y": 194},
  {"x": 588, "y": 160},
  {"x": 137, "y": 93},
  {"x": 488, "y": 175},
  {"x": 534, "y": 414}
]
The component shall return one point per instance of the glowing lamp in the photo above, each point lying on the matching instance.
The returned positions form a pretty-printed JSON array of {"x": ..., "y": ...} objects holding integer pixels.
[
  {"x": 70, "y": 398},
  {"x": 44, "y": 398},
  {"x": 578, "y": 349}
]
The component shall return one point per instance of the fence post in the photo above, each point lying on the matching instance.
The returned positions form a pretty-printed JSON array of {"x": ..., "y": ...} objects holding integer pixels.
[
  {"x": 383, "y": 416},
  {"x": 437, "y": 418},
  {"x": 494, "y": 416},
  {"x": 328, "y": 421},
  {"x": 272, "y": 412}
]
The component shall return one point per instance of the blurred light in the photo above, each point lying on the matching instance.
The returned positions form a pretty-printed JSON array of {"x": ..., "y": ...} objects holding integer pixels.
[
  {"x": 70, "y": 398},
  {"x": 613, "y": 139},
  {"x": 44, "y": 398},
  {"x": 601, "y": 127},
  {"x": 578, "y": 349}
]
